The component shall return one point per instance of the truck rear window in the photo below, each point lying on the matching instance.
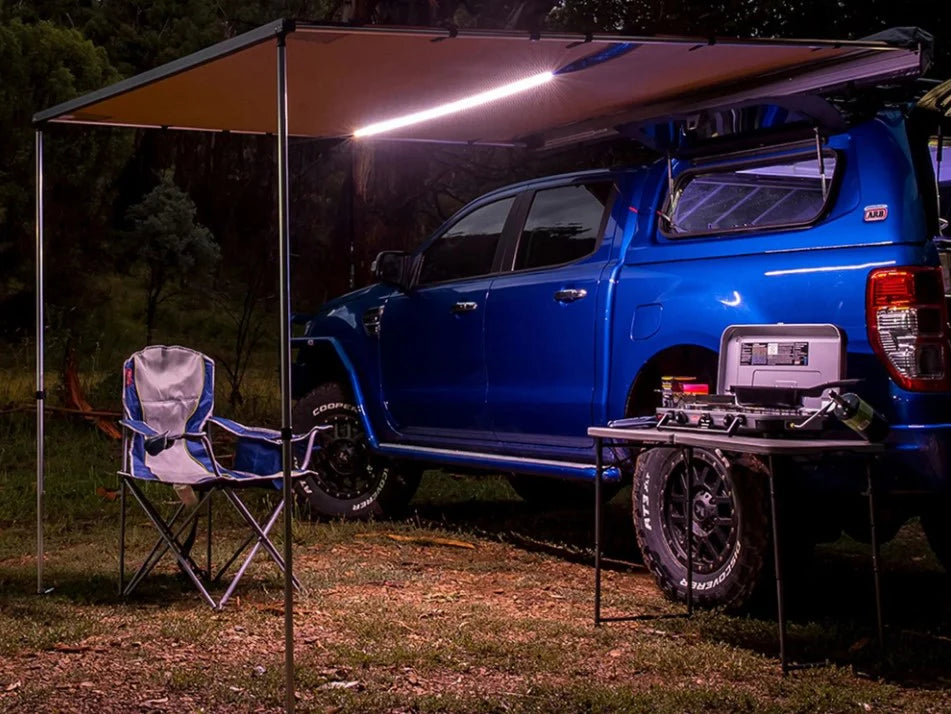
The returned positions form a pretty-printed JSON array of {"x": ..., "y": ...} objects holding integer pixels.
[{"x": 783, "y": 193}]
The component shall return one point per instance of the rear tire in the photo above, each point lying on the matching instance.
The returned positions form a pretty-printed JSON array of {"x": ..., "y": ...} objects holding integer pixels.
[
  {"x": 730, "y": 525},
  {"x": 349, "y": 481}
]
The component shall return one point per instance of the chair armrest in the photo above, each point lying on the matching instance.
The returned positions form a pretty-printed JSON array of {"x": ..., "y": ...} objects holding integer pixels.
[
  {"x": 272, "y": 436},
  {"x": 139, "y": 427},
  {"x": 245, "y": 432},
  {"x": 261, "y": 434}
]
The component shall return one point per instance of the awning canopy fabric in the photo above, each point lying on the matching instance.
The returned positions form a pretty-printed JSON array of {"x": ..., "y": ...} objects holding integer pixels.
[{"x": 343, "y": 78}]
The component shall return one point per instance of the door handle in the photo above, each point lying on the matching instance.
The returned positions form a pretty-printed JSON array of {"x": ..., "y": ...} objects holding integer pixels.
[
  {"x": 570, "y": 295},
  {"x": 461, "y": 307}
]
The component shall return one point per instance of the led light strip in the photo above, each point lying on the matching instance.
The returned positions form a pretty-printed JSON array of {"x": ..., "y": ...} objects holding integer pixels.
[{"x": 459, "y": 105}]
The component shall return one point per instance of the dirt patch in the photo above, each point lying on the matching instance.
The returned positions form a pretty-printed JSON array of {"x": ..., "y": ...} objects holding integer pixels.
[{"x": 407, "y": 624}]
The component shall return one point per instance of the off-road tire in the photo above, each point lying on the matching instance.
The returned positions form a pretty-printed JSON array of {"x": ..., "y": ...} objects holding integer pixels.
[
  {"x": 350, "y": 482},
  {"x": 555, "y": 493},
  {"x": 731, "y": 534}
]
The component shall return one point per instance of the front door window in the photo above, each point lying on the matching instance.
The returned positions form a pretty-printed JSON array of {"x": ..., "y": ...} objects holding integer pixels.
[{"x": 467, "y": 248}]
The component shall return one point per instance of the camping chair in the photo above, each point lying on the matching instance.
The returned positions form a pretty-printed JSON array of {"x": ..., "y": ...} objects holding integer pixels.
[{"x": 168, "y": 398}]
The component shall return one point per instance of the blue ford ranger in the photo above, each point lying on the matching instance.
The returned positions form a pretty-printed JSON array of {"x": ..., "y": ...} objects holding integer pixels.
[{"x": 551, "y": 305}]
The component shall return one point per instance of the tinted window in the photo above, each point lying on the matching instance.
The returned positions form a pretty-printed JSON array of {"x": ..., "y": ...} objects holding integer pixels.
[
  {"x": 467, "y": 248},
  {"x": 563, "y": 225},
  {"x": 783, "y": 193}
]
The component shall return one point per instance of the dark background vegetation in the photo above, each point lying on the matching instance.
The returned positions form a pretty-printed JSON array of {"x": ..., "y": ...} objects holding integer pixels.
[{"x": 116, "y": 279}]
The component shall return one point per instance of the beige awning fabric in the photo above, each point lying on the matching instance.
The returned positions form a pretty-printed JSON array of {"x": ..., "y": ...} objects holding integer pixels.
[{"x": 342, "y": 78}]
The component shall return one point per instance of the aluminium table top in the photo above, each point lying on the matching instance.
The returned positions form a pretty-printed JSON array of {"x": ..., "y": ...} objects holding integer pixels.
[{"x": 744, "y": 444}]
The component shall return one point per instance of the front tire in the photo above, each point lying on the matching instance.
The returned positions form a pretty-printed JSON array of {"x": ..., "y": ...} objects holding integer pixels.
[
  {"x": 730, "y": 533},
  {"x": 349, "y": 481}
]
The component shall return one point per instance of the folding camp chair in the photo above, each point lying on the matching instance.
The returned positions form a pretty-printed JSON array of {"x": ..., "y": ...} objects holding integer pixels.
[{"x": 168, "y": 398}]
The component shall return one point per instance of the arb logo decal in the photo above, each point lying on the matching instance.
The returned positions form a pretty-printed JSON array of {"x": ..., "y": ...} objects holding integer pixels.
[{"x": 876, "y": 213}]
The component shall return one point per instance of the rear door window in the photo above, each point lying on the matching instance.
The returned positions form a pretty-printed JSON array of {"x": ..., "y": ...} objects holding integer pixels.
[
  {"x": 784, "y": 193},
  {"x": 467, "y": 248},
  {"x": 563, "y": 225}
]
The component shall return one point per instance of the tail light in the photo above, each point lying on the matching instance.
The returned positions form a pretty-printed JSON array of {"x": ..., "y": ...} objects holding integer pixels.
[{"x": 907, "y": 316}]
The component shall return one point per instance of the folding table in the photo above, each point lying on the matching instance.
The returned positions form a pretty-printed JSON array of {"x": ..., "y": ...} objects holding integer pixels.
[{"x": 687, "y": 441}]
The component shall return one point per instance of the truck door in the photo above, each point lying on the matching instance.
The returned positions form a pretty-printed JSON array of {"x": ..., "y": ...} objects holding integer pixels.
[
  {"x": 432, "y": 352},
  {"x": 541, "y": 319}
]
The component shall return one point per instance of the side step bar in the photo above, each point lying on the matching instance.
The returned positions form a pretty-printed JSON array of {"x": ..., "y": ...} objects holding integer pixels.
[{"x": 519, "y": 464}]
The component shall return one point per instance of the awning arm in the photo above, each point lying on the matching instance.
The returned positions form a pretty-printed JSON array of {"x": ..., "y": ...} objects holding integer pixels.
[{"x": 277, "y": 28}]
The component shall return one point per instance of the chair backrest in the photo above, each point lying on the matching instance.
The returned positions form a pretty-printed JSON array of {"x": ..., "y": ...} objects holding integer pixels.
[{"x": 169, "y": 388}]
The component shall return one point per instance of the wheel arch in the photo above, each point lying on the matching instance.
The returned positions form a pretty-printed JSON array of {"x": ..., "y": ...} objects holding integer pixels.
[
  {"x": 683, "y": 359},
  {"x": 324, "y": 359}
]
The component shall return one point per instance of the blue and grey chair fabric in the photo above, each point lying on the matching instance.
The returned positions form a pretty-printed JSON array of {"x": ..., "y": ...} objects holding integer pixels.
[{"x": 168, "y": 404}]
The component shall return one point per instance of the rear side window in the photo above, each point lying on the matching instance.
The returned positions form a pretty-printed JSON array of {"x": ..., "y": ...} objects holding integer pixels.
[
  {"x": 467, "y": 248},
  {"x": 783, "y": 193},
  {"x": 563, "y": 225}
]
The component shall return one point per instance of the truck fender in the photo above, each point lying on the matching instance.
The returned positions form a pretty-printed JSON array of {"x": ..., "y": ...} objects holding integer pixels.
[{"x": 347, "y": 370}]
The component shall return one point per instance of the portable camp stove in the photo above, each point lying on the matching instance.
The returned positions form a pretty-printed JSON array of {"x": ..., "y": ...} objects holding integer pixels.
[{"x": 771, "y": 379}]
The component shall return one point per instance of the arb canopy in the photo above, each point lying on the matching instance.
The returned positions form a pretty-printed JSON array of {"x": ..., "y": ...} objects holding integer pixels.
[{"x": 573, "y": 87}]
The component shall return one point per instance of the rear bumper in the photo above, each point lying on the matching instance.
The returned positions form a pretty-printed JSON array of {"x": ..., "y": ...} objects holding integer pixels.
[{"x": 919, "y": 456}]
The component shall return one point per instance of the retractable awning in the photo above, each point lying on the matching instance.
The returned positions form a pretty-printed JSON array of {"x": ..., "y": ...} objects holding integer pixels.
[{"x": 342, "y": 78}]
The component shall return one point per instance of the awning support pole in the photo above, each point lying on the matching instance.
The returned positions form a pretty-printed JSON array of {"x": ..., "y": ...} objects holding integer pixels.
[
  {"x": 40, "y": 375},
  {"x": 283, "y": 210}
]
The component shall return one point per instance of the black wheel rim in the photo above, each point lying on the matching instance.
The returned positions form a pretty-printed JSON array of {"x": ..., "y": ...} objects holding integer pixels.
[
  {"x": 342, "y": 463},
  {"x": 715, "y": 519}
]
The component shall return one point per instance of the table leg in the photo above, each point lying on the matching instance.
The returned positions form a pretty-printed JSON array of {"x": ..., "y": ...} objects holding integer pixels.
[
  {"x": 778, "y": 564},
  {"x": 598, "y": 446},
  {"x": 873, "y": 536}
]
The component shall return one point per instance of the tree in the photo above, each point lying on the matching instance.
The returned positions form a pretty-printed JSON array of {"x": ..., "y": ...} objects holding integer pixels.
[
  {"x": 43, "y": 65},
  {"x": 170, "y": 242}
]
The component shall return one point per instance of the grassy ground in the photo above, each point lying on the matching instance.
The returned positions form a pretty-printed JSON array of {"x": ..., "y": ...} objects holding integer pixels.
[{"x": 476, "y": 603}]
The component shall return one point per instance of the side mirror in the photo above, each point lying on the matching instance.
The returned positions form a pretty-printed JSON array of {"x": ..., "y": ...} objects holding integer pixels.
[{"x": 393, "y": 267}]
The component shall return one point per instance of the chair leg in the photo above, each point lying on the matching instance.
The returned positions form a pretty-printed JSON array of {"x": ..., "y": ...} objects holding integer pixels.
[
  {"x": 208, "y": 560},
  {"x": 171, "y": 542},
  {"x": 261, "y": 533},
  {"x": 121, "y": 535},
  {"x": 262, "y": 540},
  {"x": 237, "y": 554},
  {"x": 155, "y": 555},
  {"x": 161, "y": 548}
]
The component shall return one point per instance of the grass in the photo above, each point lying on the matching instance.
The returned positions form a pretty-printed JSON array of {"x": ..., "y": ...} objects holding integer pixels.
[
  {"x": 390, "y": 625},
  {"x": 403, "y": 625}
]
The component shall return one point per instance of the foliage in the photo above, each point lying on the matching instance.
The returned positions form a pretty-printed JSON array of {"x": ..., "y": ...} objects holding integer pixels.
[
  {"x": 845, "y": 19},
  {"x": 43, "y": 65},
  {"x": 250, "y": 321},
  {"x": 169, "y": 241},
  {"x": 371, "y": 198}
]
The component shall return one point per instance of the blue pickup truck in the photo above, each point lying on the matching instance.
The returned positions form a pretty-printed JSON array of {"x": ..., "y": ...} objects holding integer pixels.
[{"x": 551, "y": 305}]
